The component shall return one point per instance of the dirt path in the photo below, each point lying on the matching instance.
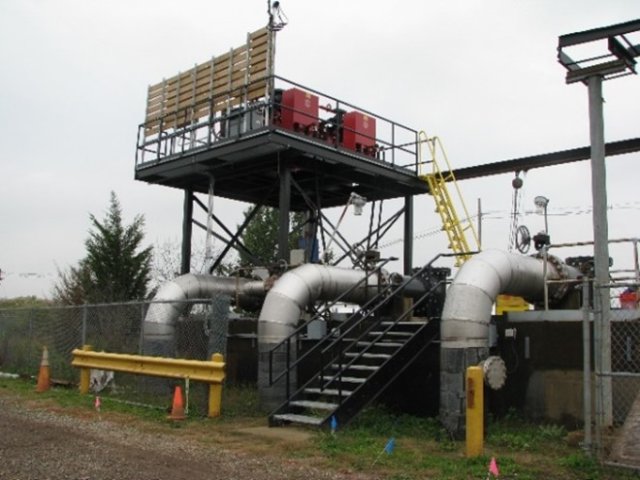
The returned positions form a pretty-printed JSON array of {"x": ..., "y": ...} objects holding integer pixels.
[{"x": 37, "y": 443}]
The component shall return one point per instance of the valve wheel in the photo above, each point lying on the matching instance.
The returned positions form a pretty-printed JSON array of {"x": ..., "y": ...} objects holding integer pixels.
[{"x": 523, "y": 239}]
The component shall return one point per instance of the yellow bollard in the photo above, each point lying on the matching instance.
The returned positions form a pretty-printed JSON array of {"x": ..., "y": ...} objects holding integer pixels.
[
  {"x": 475, "y": 412},
  {"x": 85, "y": 373},
  {"x": 215, "y": 391}
]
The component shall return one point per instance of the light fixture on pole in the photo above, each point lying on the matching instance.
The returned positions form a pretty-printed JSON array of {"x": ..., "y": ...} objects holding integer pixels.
[
  {"x": 541, "y": 207},
  {"x": 542, "y": 239}
]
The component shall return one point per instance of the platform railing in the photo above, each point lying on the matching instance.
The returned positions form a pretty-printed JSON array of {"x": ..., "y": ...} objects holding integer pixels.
[{"x": 203, "y": 125}]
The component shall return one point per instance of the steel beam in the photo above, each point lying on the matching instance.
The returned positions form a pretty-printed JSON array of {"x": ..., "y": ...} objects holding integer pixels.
[
  {"x": 599, "y": 33},
  {"x": 284, "y": 207},
  {"x": 187, "y": 230},
  {"x": 620, "y": 147},
  {"x": 408, "y": 234}
]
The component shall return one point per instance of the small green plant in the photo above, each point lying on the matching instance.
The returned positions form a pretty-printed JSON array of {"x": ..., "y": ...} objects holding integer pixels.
[
  {"x": 585, "y": 466},
  {"x": 552, "y": 432}
]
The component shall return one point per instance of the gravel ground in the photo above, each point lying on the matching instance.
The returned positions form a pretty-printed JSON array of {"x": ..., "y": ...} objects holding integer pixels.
[{"x": 36, "y": 443}]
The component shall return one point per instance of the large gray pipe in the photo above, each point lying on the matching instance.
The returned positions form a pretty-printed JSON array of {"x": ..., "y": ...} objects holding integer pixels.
[
  {"x": 171, "y": 303},
  {"x": 287, "y": 300},
  {"x": 302, "y": 286},
  {"x": 466, "y": 315}
]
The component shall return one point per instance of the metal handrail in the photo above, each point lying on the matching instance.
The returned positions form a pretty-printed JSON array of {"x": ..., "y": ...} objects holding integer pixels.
[
  {"x": 401, "y": 318},
  {"x": 401, "y": 287},
  {"x": 385, "y": 300},
  {"x": 183, "y": 127},
  {"x": 318, "y": 315}
]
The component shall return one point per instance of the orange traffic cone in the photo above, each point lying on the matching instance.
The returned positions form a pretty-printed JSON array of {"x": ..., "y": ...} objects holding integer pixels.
[
  {"x": 177, "y": 409},
  {"x": 44, "y": 381}
]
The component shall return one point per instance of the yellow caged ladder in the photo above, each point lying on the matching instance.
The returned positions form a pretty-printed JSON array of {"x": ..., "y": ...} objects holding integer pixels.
[{"x": 451, "y": 223}]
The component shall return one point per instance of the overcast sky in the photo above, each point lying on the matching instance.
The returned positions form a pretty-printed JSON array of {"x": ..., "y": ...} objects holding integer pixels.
[{"x": 482, "y": 75}]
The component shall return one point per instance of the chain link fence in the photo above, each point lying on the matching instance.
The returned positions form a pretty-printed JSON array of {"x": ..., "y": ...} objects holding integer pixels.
[
  {"x": 616, "y": 367},
  {"x": 201, "y": 329}
]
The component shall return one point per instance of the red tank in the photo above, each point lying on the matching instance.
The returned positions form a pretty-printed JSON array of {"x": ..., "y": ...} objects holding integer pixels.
[
  {"x": 359, "y": 133},
  {"x": 299, "y": 110}
]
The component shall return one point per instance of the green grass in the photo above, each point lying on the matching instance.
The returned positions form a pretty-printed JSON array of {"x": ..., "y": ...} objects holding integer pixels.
[{"x": 423, "y": 450}]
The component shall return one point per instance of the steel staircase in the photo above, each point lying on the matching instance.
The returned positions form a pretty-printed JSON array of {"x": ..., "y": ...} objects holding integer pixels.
[{"x": 360, "y": 361}]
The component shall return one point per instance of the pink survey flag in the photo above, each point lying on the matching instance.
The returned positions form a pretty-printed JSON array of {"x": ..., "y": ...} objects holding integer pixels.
[
  {"x": 97, "y": 404},
  {"x": 493, "y": 467}
]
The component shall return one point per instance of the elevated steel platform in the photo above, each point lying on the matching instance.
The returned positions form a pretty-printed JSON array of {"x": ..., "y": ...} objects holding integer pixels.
[{"x": 245, "y": 149}]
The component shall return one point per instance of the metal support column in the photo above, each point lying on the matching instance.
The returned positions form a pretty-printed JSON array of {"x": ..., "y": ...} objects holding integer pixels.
[
  {"x": 601, "y": 241},
  {"x": 284, "y": 207},
  {"x": 187, "y": 216},
  {"x": 408, "y": 234}
]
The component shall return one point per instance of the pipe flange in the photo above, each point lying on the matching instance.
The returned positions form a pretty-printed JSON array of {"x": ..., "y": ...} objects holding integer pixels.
[
  {"x": 562, "y": 270},
  {"x": 495, "y": 372}
]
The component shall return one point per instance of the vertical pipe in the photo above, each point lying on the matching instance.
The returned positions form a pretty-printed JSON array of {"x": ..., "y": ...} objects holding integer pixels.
[
  {"x": 408, "y": 234},
  {"x": 479, "y": 223},
  {"x": 187, "y": 215},
  {"x": 209, "y": 234},
  {"x": 284, "y": 207},
  {"x": 600, "y": 236},
  {"x": 544, "y": 276},
  {"x": 586, "y": 364}
]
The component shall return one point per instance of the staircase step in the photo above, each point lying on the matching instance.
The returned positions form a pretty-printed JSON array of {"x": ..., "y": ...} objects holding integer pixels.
[
  {"x": 380, "y": 343},
  {"x": 367, "y": 368},
  {"x": 351, "y": 379},
  {"x": 315, "y": 405},
  {"x": 328, "y": 391},
  {"x": 367, "y": 355},
  {"x": 413, "y": 323},
  {"x": 393, "y": 333},
  {"x": 295, "y": 418}
]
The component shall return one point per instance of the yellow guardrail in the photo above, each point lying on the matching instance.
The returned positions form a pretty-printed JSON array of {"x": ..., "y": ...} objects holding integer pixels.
[{"x": 211, "y": 372}]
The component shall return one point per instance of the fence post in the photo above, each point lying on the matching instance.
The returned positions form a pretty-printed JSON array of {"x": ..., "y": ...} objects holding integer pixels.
[
  {"x": 83, "y": 339},
  {"x": 586, "y": 364},
  {"x": 29, "y": 361},
  {"x": 141, "y": 339}
]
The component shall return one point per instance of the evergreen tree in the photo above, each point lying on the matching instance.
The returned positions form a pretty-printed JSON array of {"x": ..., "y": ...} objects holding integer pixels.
[
  {"x": 261, "y": 235},
  {"x": 115, "y": 267}
]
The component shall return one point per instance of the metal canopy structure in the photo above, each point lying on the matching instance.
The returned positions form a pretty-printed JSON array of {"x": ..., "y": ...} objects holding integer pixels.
[{"x": 619, "y": 59}]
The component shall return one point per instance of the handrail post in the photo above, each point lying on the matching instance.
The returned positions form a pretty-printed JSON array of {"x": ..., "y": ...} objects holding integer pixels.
[
  {"x": 288, "y": 362},
  {"x": 270, "y": 367}
]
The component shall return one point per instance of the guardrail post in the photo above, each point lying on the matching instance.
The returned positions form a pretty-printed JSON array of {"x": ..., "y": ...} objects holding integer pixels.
[
  {"x": 85, "y": 374},
  {"x": 215, "y": 391},
  {"x": 475, "y": 412}
]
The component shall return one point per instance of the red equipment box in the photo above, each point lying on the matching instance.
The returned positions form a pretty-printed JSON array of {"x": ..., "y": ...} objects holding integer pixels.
[
  {"x": 299, "y": 109},
  {"x": 359, "y": 133}
]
